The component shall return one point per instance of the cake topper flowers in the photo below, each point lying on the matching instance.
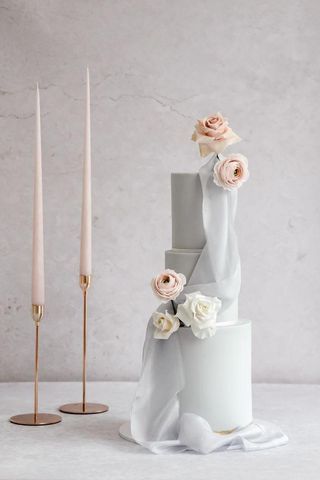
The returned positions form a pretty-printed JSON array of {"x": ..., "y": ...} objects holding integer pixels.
[
  {"x": 213, "y": 134},
  {"x": 231, "y": 172},
  {"x": 198, "y": 311}
]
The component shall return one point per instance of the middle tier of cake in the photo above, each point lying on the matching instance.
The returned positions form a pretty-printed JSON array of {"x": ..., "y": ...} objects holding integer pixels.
[{"x": 182, "y": 260}]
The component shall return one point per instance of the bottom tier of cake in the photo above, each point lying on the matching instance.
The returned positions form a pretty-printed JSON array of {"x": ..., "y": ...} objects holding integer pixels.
[{"x": 218, "y": 376}]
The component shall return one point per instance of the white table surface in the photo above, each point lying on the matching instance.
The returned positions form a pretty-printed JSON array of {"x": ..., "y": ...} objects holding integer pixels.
[{"x": 90, "y": 448}]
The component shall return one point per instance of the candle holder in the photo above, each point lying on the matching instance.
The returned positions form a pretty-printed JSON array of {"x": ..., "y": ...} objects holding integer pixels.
[
  {"x": 84, "y": 408},
  {"x": 36, "y": 418}
]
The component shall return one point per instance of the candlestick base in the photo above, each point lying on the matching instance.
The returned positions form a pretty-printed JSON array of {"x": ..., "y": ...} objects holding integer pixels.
[
  {"x": 84, "y": 408},
  {"x": 34, "y": 420}
]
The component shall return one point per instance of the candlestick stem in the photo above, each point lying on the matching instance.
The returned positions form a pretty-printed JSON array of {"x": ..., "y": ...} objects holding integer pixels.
[
  {"x": 84, "y": 361},
  {"x": 84, "y": 408},
  {"x": 36, "y": 375},
  {"x": 36, "y": 418},
  {"x": 37, "y": 315}
]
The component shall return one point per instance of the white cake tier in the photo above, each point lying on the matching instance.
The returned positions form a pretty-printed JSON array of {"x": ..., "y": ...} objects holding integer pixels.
[
  {"x": 186, "y": 208},
  {"x": 218, "y": 376}
]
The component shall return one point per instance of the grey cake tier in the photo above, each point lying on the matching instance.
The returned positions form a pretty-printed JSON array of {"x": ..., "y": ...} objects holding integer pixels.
[
  {"x": 186, "y": 207},
  {"x": 182, "y": 261}
]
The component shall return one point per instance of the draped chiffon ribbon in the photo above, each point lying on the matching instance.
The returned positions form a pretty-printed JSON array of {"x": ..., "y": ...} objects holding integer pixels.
[{"x": 155, "y": 420}]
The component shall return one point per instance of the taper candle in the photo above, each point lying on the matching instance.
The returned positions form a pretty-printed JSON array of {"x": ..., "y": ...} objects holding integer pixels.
[
  {"x": 85, "y": 246},
  {"x": 37, "y": 245},
  {"x": 85, "y": 408}
]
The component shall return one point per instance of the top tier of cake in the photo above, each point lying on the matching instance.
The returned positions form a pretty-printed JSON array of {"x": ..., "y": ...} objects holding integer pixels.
[{"x": 186, "y": 204}]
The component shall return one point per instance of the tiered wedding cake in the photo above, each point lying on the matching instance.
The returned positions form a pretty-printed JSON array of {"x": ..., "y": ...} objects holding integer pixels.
[{"x": 194, "y": 392}]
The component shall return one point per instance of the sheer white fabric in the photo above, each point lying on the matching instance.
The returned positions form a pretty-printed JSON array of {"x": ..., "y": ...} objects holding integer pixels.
[{"x": 155, "y": 420}]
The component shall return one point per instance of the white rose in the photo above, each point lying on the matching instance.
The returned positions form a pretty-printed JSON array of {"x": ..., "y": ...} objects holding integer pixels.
[
  {"x": 200, "y": 313},
  {"x": 165, "y": 324}
]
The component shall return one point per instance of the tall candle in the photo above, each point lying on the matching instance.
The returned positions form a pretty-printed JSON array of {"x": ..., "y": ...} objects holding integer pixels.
[
  {"x": 37, "y": 245},
  {"x": 85, "y": 246}
]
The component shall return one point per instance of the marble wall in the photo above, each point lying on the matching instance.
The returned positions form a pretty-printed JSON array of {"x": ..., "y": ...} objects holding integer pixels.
[{"x": 156, "y": 66}]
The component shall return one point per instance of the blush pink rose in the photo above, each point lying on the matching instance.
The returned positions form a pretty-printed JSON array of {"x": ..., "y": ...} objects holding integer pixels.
[
  {"x": 231, "y": 172},
  {"x": 168, "y": 285},
  {"x": 213, "y": 134}
]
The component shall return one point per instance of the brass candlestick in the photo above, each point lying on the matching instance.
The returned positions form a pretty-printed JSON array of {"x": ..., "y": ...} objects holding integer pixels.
[
  {"x": 36, "y": 418},
  {"x": 84, "y": 408}
]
